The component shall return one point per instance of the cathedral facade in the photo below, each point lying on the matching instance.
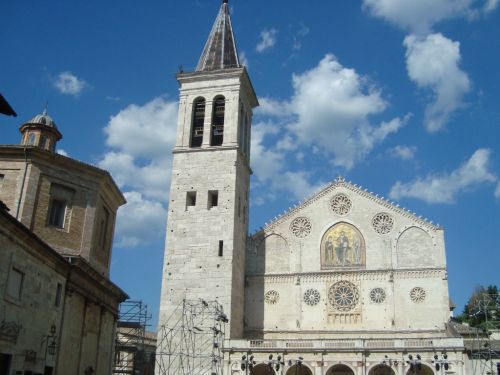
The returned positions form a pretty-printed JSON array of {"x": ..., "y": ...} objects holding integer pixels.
[{"x": 345, "y": 283}]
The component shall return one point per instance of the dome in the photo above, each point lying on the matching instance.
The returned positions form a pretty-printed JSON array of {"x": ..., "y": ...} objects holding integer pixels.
[{"x": 42, "y": 119}]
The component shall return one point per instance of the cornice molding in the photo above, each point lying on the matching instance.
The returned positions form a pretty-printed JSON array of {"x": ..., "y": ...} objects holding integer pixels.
[{"x": 381, "y": 275}]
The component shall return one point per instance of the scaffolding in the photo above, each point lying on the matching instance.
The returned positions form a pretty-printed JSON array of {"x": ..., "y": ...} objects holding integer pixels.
[
  {"x": 485, "y": 351},
  {"x": 133, "y": 344},
  {"x": 190, "y": 342}
]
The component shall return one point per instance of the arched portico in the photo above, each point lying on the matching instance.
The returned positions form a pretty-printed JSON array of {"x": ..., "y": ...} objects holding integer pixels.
[
  {"x": 381, "y": 370},
  {"x": 262, "y": 369},
  {"x": 420, "y": 369},
  {"x": 340, "y": 369},
  {"x": 299, "y": 370}
]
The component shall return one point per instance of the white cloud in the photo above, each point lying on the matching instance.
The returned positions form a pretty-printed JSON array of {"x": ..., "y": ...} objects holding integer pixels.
[
  {"x": 244, "y": 59},
  {"x": 139, "y": 221},
  {"x": 420, "y": 16},
  {"x": 140, "y": 139},
  {"x": 403, "y": 152},
  {"x": 62, "y": 152},
  {"x": 266, "y": 162},
  {"x": 68, "y": 83},
  {"x": 271, "y": 168},
  {"x": 273, "y": 107},
  {"x": 297, "y": 183},
  {"x": 497, "y": 191},
  {"x": 433, "y": 63},
  {"x": 301, "y": 32},
  {"x": 443, "y": 188},
  {"x": 267, "y": 40},
  {"x": 329, "y": 112},
  {"x": 490, "y": 6},
  {"x": 333, "y": 105}
]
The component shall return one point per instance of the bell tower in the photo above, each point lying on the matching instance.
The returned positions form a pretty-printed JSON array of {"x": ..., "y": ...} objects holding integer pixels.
[{"x": 208, "y": 209}]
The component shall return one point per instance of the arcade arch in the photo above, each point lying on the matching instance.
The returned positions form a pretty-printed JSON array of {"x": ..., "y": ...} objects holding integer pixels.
[
  {"x": 263, "y": 369},
  {"x": 340, "y": 370},
  {"x": 381, "y": 370},
  {"x": 299, "y": 370},
  {"x": 420, "y": 369}
]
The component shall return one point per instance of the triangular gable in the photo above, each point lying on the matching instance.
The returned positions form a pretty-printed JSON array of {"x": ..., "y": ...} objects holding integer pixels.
[{"x": 341, "y": 182}]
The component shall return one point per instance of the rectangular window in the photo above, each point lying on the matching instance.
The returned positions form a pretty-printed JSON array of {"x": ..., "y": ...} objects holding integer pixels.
[
  {"x": 57, "y": 213},
  {"x": 221, "y": 248},
  {"x": 213, "y": 198},
  {"x": 103, "y": 228},
  {"x": 15, "y": 283},
  {"x": 58, "y": 295},
  {"x": 191, "y": 199},
  {"x": 61, "y": 199}
]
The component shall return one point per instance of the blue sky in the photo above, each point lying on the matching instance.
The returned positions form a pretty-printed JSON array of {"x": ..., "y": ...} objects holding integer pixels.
[{"x": 398, "y": 96}]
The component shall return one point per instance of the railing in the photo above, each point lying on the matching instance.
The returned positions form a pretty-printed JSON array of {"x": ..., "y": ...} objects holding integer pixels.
[{"x": 343, "y": 344}]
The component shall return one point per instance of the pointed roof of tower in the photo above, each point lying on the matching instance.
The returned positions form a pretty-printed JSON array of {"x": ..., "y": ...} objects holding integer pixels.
[{"x": 220, "y": 50}]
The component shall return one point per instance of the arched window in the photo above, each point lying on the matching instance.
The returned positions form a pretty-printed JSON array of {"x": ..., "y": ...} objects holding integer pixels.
[
  {"x": 43, "y": 142},
  {"x": 198, "y": 120},
  {"x": 31, "y": 139},
  {"x": 217, "y": 136}
]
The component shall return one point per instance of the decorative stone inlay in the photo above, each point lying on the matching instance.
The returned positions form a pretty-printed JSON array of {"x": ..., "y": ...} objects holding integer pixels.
[
  {"x": 341, "y": 204},
  {"x": 417, "y": 294},
  {"x": 272, "y": 297},
  {"x": 343, "y": 296},
  {"x": 311, "y": 297},
  {"x": 377, "y": 295},
  {"x": 9, "y": 331},
  {"x": 301, "y": 227},
  {"x": 382, "y": 223}
]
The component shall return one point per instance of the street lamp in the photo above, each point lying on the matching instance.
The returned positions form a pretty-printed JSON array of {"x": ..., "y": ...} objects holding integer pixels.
[
  {"x": 415, "y": 364},
  {"x": 50, "y": 342},
  {"x": 247, "y": 363},
  {"x": 441, "y": 363},
  {"x": 390, "y": 361},
  {"x": 276, "y": 363}
]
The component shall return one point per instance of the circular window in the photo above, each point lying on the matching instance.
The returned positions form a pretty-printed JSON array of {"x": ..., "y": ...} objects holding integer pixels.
[
  {"x": 341, "y": 204},
  {"x": 343, "y": 296},
  {"x": 311, "y": 297},
  {"x": 377, "y": 295},
  {"x": 417, "y": 294},
  {"x": 301, "y": 227},
  {"x": 272, "y": 297},
  {"x": 382, "y": 223}
]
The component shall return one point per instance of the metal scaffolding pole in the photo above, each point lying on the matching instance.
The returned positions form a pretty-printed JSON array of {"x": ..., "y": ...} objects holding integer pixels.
[{"x": 190, "y": 342}]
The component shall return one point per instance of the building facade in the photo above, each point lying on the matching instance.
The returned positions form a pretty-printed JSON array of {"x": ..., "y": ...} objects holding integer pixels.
[
  {"x": 345, "y": 283},
  {"x": 58, "y": 308}
]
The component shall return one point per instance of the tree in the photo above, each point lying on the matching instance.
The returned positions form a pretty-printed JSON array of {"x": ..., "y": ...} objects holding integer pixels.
[{"x": 483, "y": 308}]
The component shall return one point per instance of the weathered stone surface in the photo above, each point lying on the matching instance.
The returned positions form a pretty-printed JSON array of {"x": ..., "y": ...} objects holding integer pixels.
[{"x": 82, "y": 324}]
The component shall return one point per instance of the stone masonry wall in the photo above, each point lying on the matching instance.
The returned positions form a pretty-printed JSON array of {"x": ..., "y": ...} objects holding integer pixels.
[
  {"x": 35, "y": 310},
  {"x": 407, "y": 257}
]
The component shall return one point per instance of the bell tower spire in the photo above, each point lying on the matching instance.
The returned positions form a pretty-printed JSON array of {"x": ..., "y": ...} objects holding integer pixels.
[{"x": 220, "y": 51}]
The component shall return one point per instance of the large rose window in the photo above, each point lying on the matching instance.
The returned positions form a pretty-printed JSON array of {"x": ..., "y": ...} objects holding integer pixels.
[{"x": 343, "y": 296}]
